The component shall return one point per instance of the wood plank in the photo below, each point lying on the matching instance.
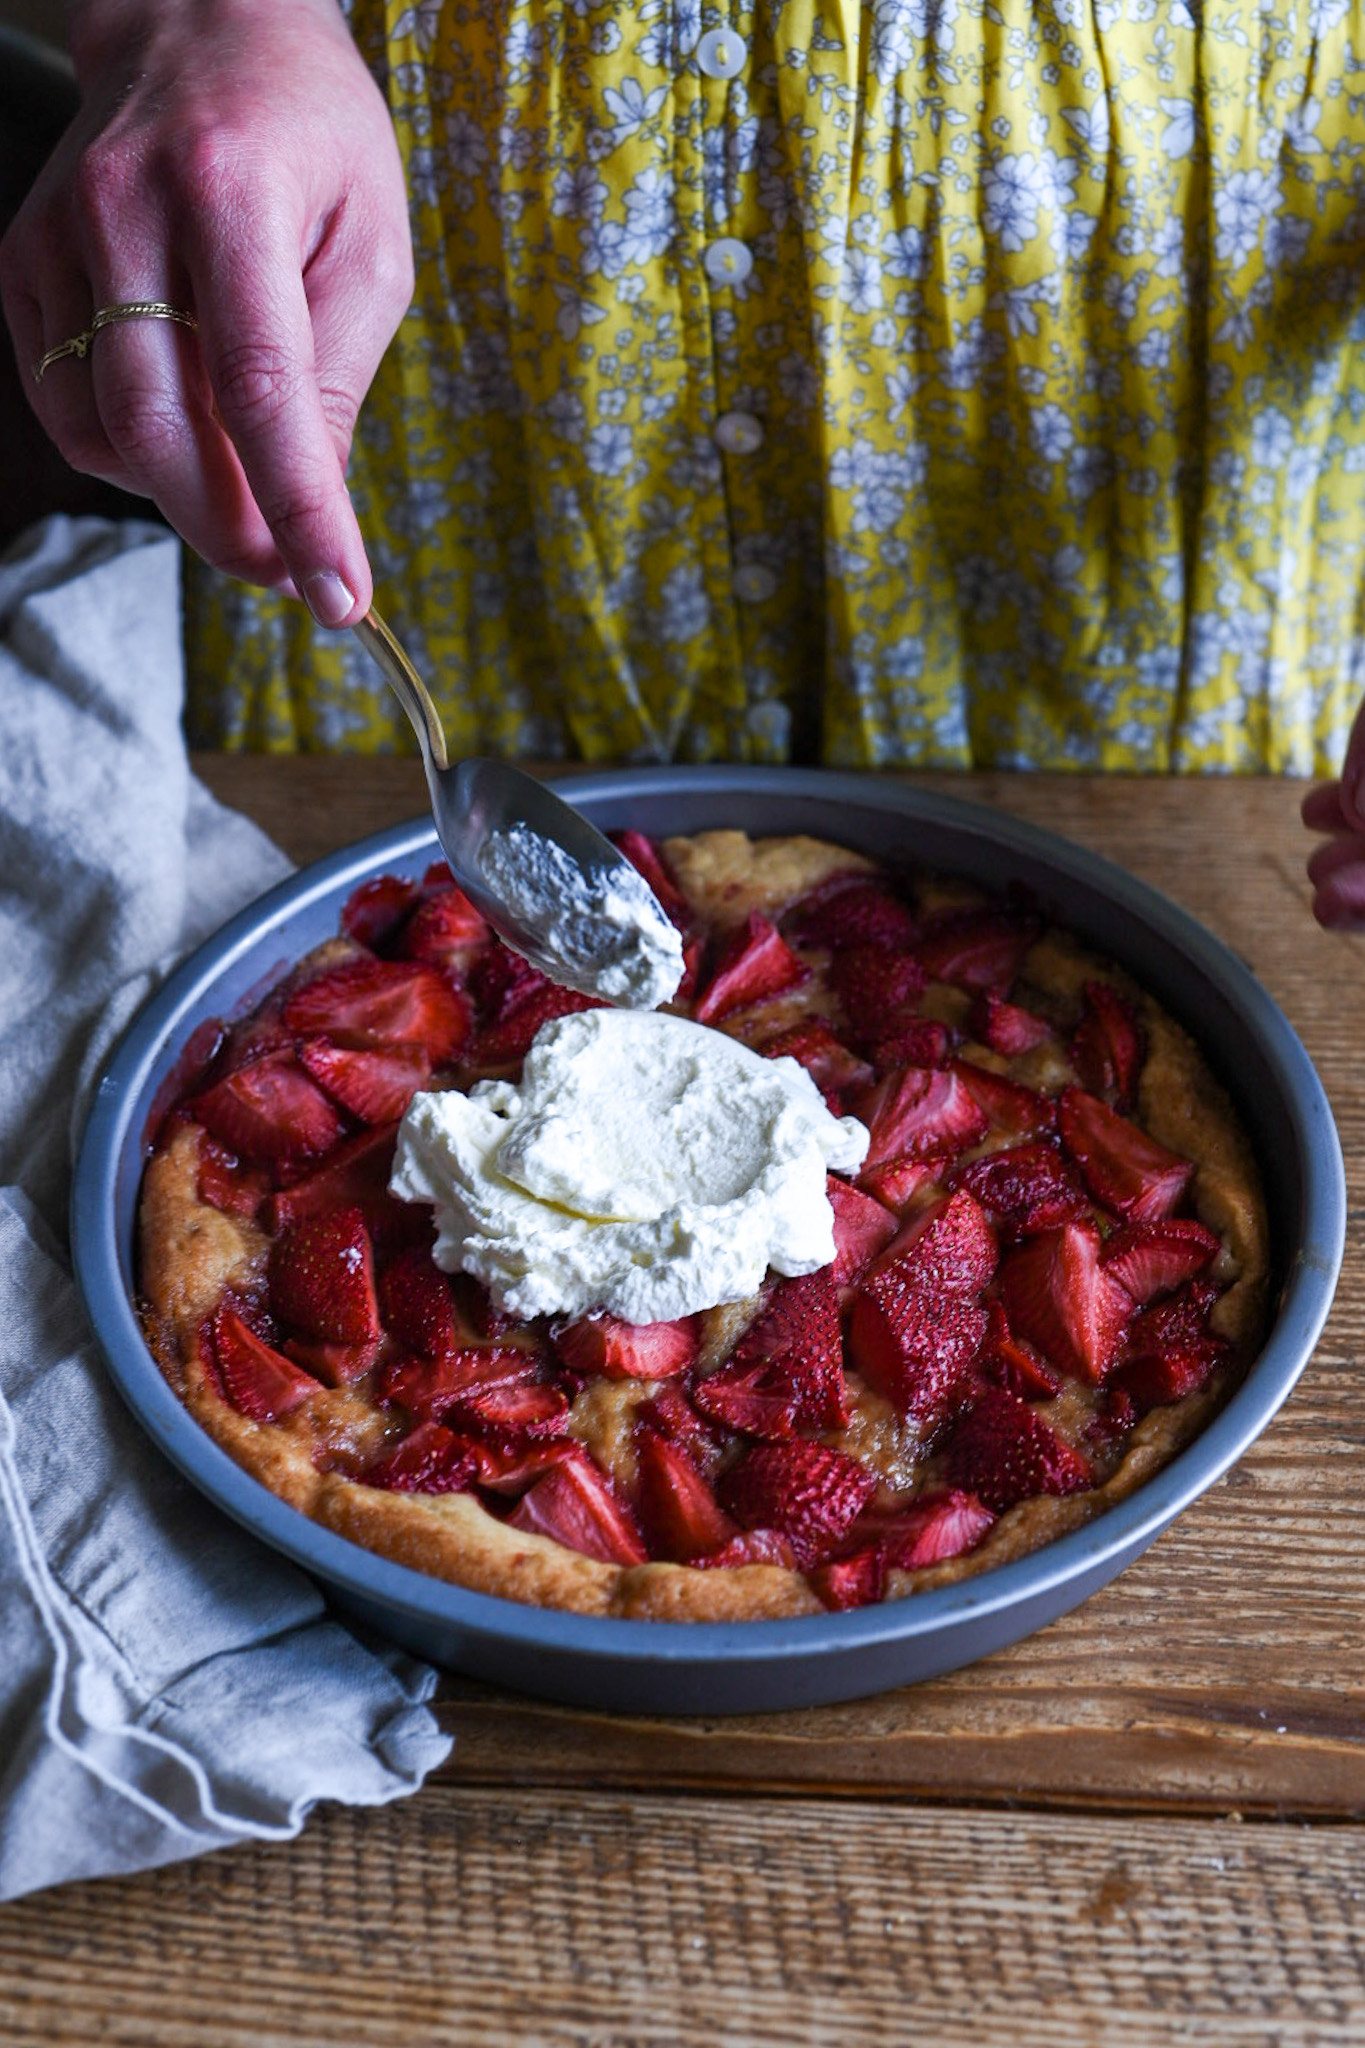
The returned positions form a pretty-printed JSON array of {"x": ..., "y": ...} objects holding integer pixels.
[{"x": 487, "y": 1918}]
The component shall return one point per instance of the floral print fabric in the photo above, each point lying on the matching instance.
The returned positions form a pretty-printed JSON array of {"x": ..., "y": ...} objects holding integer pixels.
[{"x": 954, "y": 382}]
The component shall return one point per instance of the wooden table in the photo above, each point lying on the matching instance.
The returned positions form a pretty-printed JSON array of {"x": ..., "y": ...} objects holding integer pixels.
[{"x": 1144, "y": 1825}]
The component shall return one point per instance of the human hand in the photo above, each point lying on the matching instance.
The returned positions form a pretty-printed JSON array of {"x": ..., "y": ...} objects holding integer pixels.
[
  {"x": 1337, "y": 870},
  {"x": 235, "y": 159}
]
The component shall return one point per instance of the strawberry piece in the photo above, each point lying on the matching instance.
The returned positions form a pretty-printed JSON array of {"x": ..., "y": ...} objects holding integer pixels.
[
  {"x": 1160, "y": 1377},
  {"x": 915, "y": 1327},
  {"x": 806, "y": 1491},
  {"x": 751, "y": 1546},
  {"x": 896, "y": 1181},
  {"x": 375, "y": 1085},
  {"x": 1005, "y": 1027},
  {"x": 862, "y": 1228},
  {"x": 373, "y": 913},
  {"x": 1025, "y": 1189},
  {"x": 645, "y": 857},
  {"x": 1058, "y": 1297},
  {"x": 430, "y": 1386},
  {"x": 938, "y": 1526},
  {"x": 853, "y": 1581},
  {"x": 1006, "y": 1359},
  {"x": 1003, "y": 1452},
  {"x": 357, "y": 1171},
  {"x": 224, "y": 1183},
  {"x": 269, "y": 1112},
  {"x": 259, "y": 1381},
  {"x": 950, "y": 1244},
  {"x": 786, "y": 1373},
  {"x": 756, "y": 963},
  {"x": 507, "y": 1040},
  {"x": 1123, "y": 1168},
  {"x": 1180, "y": 1324},
  {"x": 430, "y": 1459},
  {"x": 976, "y": 949},
  {"x": 916, "y": 1111},
  {"x": 500, "y": 979},
  {"x": 852, "y": 910},
  {"x": 575, "y": 1504},
  {"x": 533, "y": 1407},
  {"x": 322, "y": 1277},
  {"x": 873, "y": 983},
  {"x": 694, "y": 953},
  {"x": 1107, "y": 1050},
  {"x": 336, "y": 1365},
  {"x": 416, "y": 1305},
  {"x": 445, "y": 932},
  {"x": 1150, "y": 1259},
  {"x": 604, "y": 1344},
  {"x": 671, "y": 1413},
  {"x": 830, "y": 1065},
  {"x": 680, "y": 1514},
  {"x": 1009, "y": 1105},
  {"x": 384, "y": 1002},
  {"x": 506, "y": 1462},
  {"x": 919, "y": 1042},
  {"x": 1170, "y": 1350}
]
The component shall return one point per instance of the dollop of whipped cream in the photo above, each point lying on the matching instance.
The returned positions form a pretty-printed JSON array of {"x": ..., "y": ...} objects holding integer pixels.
[
  {"x": 642, "y": 1164},
  {"x": 606, "y": 928}
]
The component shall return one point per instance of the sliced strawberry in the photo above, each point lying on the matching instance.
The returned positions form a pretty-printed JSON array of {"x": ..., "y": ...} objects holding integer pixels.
[
  {"x": 1012, "y": 1363},
  {"x": 1107, "y": 1050},
  {"x": 431, "y": 1386},
  {"x": 1011, "y": 1107},
  {"x": 270, "y": 1113},
  {"x": 1025, "y": 1189},
  {"x": 575, "y": 1504},
  {"x": 224, "y": 1183},
  {"x": 916, "y": 1111},
  {"x": 387, "y": 1002},
  {"x": 936, "y": 1527},
  {"x": 1003, "y": 1452},
  {"x": 416, "y": 1305},
  {"x": 916, "y": 1326},
  {"x": 430, "y": 1459},
  {"x": 373, "y": 913},
  {"x": 874, "y": 984},
  {"x": 756, "y": 963},
  {"x": 500, "y": 979},
  {"x": 1005, "y": 1027},
  {"x": 1170, "y": 1349},
  {"x": 786, "y": 1373},
  {"x": 336, "y": 1365},
  {"x": 918, "y": 1042},
  {"x": 322, "y": 1277},
  {"x": 357, "y": 1171},
  {"x": 506, "y": 1462},
  {"x": 857, "y": 1580},
  {"x": 629, "y": 1351},
  {"x": 862, "y": 1228},
  {"x": 976, "y": 949},
  {"x": 445, "y": 932},
  {"x": 1123, "y": 1168},
  {"x": 1174, "y": 1325},
  {"x": 645, "y": 857},
  {"x": 949, "y": 1246},
  {"x": 806, "y": 1491},
  {"x": 375, "y": 1084},
  {"x": 259, "y": 1381},
  {"x": 896, "y": 1181},
  {"x": 830, "y": 1065},
  {"x": 534, "y": 1407},
  {"x": 1150, "y": 1259},
  {"x": 853, "y": 909},
  {"x": 671, "y": 1413},
  {"x": 751, "y": 1546},
  {"x": 509, "y": 1039},
  {"x": 694, "y": 955},
  {"x": 1160, "y": 1377},
  {"x": 1058, "y": 1297},
  {"x": 680, "y": 1514}
]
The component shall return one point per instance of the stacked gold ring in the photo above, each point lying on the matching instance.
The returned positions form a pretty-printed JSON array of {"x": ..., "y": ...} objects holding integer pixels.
[{"x": 109, "y": 316}]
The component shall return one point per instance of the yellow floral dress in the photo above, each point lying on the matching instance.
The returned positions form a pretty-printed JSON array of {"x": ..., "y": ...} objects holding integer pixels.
[{"x": 957, "y": 382}]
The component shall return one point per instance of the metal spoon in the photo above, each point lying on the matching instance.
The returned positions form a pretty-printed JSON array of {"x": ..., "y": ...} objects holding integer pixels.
[{"x": 616, "y": 937}]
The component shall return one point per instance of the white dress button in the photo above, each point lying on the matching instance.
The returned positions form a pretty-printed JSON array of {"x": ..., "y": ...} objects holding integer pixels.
[
  {"x": 739, "y": 433},
  {"x": 727, "y": 261},
  {"x": 721, "y": 53},
  {"x": 755, "y": 583}
]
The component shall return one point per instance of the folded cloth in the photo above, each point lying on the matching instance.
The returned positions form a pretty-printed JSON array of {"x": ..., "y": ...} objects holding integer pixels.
[{"x": 166, "y": 1684}]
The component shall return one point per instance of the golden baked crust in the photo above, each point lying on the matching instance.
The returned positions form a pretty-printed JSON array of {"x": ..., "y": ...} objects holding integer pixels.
[{"x": 193, "y": 1254}]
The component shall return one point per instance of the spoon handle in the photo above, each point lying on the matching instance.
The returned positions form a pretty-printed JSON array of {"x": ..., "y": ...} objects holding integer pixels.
[{"x": 406, "y": 684}]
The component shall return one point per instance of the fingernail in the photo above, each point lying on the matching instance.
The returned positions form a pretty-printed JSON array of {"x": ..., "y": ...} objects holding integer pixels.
[{"x": 327, "y": 597}]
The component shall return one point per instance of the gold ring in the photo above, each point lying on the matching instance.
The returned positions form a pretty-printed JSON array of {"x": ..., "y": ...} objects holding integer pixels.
[{"x": 109, "y": 316}]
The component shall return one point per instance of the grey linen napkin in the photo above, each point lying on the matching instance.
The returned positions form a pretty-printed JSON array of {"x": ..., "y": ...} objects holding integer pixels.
[{"x": 167, "y": 1685}]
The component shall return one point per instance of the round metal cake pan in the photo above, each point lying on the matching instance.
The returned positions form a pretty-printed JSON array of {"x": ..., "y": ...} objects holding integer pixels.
[{"x": 711, "y": 1668}]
